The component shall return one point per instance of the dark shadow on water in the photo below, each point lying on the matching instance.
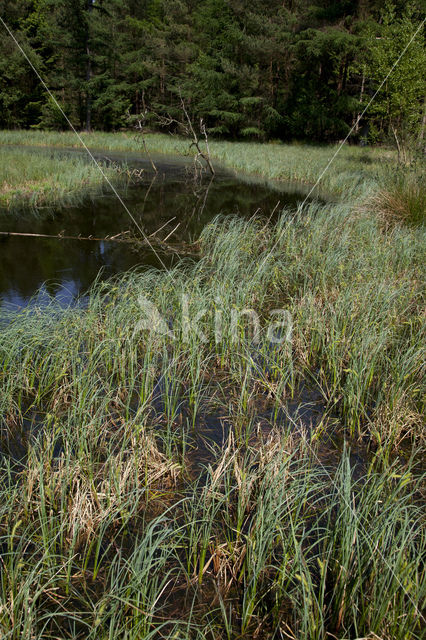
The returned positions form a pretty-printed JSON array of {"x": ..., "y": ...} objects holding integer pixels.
[{"x": 60, "y": 270}]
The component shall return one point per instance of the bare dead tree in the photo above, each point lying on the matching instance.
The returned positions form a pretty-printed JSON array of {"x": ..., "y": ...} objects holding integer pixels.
[
  {"x": 195, "y": 141},
  {"x": 186, "y": 127},
  {"x": 139, "y": 122},
  {"x": 201, "y": 200},
  {"x": 203, "y": 130}
]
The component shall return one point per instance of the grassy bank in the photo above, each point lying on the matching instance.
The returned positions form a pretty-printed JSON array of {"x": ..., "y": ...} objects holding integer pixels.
[
  {"x": 223, "y": 479},
  {"x": 35, "y": 180},
  {"x": 352, "y": 168},
  {"x": 108, "y": 528},
  {"x": 95, "y": 546}
]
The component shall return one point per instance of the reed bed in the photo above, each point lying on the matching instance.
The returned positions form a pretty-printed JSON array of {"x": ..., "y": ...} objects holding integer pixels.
[
  {"x": 300, "y": 163},
  {"x": 356, "y": 306},
  {"x": 112, "y": 526},
  {"x": 401, "y": 198},
  {"x": 38, "y": 180}
]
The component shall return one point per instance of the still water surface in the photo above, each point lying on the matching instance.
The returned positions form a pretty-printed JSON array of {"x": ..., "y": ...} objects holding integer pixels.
[{"x": 39, "y": 269}]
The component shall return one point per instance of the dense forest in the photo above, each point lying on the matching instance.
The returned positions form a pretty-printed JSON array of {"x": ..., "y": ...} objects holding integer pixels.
[{"x": 254, "y": 69}]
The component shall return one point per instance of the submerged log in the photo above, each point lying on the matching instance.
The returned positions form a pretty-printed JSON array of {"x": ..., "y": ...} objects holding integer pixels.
[{"x": 181, "y": 248}]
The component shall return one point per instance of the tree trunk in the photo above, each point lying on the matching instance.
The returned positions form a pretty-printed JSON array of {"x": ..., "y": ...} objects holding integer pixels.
[
  {"x": 88, "y": 97},
  {"x": 361, "y": 95},
  {"x": 88, "y": 73},
  {"x": 398, "y": 146},
  {"x": 340, "y": 78}
]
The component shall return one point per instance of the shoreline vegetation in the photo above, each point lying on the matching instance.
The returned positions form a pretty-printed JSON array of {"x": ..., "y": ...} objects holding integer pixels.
[
  {"x": 353, "y": 168},
  {"x": 53, "y": 178},
  {"x": 112, "y": 524},
  {"x": 370, "y": 174}
]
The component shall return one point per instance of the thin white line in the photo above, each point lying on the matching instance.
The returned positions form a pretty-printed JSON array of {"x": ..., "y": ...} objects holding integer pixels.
[
  {"x": 362, "y": 114},
  {"x": 83, "y": 143},
  {"x": 350, "y": 132}
]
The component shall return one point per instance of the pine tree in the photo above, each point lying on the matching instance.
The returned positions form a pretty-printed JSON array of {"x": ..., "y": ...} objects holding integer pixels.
[
  {"x": 398, "y": 110},
  {"x": 249, "y": 68}
]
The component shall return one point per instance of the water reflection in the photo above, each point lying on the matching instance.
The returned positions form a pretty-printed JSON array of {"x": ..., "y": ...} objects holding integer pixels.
[{"x": 62, "y": 269}]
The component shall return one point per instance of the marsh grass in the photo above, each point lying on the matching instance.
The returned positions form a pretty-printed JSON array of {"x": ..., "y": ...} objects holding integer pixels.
[
  {"x": 357, "y": 339},
  {"x": 38, "y": 180},
  {"x": 294, "y": 546},
  {"x": 269, "y": 544},
  {"x": 401, "y": 198},
  {"x": 108, "y": 527}
]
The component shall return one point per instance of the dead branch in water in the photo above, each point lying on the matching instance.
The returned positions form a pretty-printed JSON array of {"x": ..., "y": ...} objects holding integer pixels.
[
  {"x": 139, "y": 123},
  {"x": 123, "y": 237}
]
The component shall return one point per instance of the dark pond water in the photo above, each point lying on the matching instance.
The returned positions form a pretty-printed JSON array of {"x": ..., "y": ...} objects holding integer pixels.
[
  {"x": 63, "y": 269},
  {"x": 37, "y": 270}
]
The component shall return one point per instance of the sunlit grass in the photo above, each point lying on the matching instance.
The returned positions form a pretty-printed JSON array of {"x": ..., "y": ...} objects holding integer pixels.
[
  {"x": 111, "y": 527},
  {"x": 302, "y": 163},
  {"x": 401, "y": 198},
  {"x": 36, "y": 180}
]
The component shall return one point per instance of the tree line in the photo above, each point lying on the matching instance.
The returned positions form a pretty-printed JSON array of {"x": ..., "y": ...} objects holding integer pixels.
[{"x": 252, "y": 69}]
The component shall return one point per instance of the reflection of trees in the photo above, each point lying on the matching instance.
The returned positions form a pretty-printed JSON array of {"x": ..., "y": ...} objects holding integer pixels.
[
  {"x": 200, "y": 192},
  {"x": 26, "y": 263},
  {"x": 146, "y": 196}
]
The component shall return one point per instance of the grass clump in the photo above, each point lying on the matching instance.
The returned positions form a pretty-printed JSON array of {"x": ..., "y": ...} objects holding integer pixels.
[
  {"x": 401, "y": 198},
  {"x": 38, "y": 180},
  {"x": 75, "y": 517}
]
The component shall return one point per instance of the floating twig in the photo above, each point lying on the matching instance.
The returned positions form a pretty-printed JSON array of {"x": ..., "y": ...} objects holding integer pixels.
[
  {"x": 181, "y": 248},
  {"x": 61, "y": 236},
  {"x": 162, "y": 227}
]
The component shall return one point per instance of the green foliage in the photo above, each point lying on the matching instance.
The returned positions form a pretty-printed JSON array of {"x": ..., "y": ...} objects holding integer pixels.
[
  {"x": 249, "y": 69},
  {"x": 401, "y": 197},
  {"x": 399, "y": 104},
  {"x": 107, "y": 528}
]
